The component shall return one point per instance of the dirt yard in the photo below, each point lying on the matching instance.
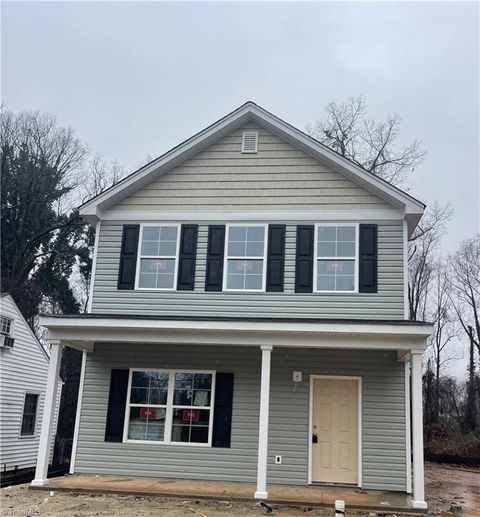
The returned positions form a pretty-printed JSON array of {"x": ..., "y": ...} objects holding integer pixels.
[{"x": 449, "y": 490}]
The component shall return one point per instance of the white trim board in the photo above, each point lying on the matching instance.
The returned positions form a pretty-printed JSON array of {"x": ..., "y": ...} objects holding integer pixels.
[
  {"x": 360, "y": 430},
  {"x": 251, "y": 112}
]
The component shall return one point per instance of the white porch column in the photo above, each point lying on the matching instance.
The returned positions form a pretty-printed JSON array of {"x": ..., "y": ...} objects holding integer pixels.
[
  {"x": 48, "y": 414},
  {"x": 261, "y": 492},
  {"x": 417, "y": 431}
]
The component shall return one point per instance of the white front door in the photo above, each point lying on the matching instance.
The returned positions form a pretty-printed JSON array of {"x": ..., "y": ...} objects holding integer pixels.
[{"x": 335, "y": 431}]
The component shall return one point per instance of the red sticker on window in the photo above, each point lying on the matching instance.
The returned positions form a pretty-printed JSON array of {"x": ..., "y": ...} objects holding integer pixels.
[
  {"x": 191, "y": 415},
  {"x": 334, "y": 266},
  {"x": 148, "y": 413},
  {"x": 156, "y": 265},
  {"x": 244, "y": 265}
]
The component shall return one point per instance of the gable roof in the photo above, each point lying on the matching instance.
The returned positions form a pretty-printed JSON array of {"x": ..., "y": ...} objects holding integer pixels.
[
  {"x": 412, "y": 208},
  {"x": 24, "y": 321}
]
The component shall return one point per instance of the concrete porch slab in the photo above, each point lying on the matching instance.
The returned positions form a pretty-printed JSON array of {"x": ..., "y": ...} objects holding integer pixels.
[{"x": 354, "y": 498}]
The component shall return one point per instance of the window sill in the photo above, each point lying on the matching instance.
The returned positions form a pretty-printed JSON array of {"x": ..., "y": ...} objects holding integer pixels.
[{"x": 175, "y": 444}]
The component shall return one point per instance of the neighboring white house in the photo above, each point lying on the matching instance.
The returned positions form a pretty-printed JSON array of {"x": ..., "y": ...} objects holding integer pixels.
[{"x": 23, "y": 379}]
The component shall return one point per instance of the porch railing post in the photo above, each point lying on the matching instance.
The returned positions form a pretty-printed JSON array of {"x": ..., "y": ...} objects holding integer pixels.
[
  {"x": 261, "y": 492},
  {"x": 48, "y": 418},
  {"x": 417, "y": 431}
]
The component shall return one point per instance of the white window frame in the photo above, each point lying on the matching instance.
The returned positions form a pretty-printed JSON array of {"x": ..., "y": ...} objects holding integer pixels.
[
  {"x": 140, "y": 256},
  {"x": 12, "y": 324},
  {"x": 316, "y": 258},
  {"x": 169, "y": 407},
  {"x": 34, "y": 434},
  {"x": 226, "y": 258}
]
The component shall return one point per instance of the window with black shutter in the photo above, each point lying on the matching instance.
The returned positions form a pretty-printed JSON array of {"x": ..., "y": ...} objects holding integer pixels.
[{"x": 368, "y": 260}]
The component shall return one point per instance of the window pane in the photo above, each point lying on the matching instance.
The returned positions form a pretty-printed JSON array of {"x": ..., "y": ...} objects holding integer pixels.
[
  {"x": 246, "y": 241},
  {"x": 237, "y": 233},
  {"x": 151, "y": 233},
  {"x": 345, "y": 249},
  {"x": 159, "y": 241},
  {"x": 327, "y": 233},
  {"x": 326, "y": 249},
  {"x": 190, "y": 425},
  {"x": 346, "y": 233},
  {"x": 149, "y": 388},
  {"x": 5, "y": 325},
  {"x": 168, "y": 248},
  {"x": 345, "y": 283},
  {"x": 157, "y": 273},
  {"x": 146, "y": 423},
  {"x": 335, "y": 275},
  {"x": 255, "y": 249},
  {"x": 236, "y": 249},
  {"x": 255, "y": 233},
  {"x": 244, "y": 274},
  {"x": 168, "y": 233}
]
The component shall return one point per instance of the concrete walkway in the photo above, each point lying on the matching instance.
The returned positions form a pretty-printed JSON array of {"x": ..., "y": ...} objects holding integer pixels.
[{"x": 354, "y": 498}]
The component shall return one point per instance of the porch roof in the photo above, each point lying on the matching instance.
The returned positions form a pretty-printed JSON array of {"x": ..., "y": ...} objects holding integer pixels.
[{"x": 83, "y": 331}]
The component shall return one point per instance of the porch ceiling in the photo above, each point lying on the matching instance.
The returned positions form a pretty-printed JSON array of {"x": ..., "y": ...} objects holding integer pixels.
[{"x": 84, "y": 331}]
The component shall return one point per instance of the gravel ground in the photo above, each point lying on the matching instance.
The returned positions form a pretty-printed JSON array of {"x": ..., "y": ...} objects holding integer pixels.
[{"x": 449, "y": 490}]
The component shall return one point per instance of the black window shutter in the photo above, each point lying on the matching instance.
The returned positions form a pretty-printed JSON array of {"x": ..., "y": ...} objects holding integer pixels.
[
  {"x": 222, "y": 415},
  {"x": 215, "y": 252},
  {"x": 304, "y": 259},
  {"x": 128, "y": 256},
  {"x": 368, "y": 276},
  {"x": 187, "y": 258},
  {"x": 117, "y": 400},
  {"x": 276, "y": 257}
]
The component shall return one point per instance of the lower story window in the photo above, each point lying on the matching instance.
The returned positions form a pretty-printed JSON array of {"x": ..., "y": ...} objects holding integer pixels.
[
  {"x": 29, "y": 417},
  {"x": 170, "y": 406}
]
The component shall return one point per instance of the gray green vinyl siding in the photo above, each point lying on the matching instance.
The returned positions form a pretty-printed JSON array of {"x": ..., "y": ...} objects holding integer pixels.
[
  {"x": 388, "y": 303},
  {"x": 383, "y": 414},
  {"x": 278, "y": 177}
]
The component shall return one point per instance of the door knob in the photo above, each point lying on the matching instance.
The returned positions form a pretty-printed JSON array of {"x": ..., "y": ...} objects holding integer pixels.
[{"x": 314, "y": 438}]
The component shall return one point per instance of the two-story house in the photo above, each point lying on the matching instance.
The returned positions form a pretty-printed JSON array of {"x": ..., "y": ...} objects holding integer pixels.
[{"x": 248, "y": 319}]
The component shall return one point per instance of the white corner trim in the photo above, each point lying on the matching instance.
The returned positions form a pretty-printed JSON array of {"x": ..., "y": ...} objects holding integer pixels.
[
  {"x": 94, "y": 266},
  {"x": 417, "y": 433},
  {"x": 78, "y": 413}
]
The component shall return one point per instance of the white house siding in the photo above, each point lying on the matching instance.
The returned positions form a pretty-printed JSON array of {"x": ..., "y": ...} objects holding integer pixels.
[
  {"x": 382, "y": 408},
  {"x": 388, "y": 303},
  {"x": 23, "y": 369},
  {"x": 278, "y": 177}
]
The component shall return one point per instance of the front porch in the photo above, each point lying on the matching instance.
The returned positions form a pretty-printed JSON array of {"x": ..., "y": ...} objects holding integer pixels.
[
  {"x": 273, "y": 365},
  {"x": 355, "y": 498}
]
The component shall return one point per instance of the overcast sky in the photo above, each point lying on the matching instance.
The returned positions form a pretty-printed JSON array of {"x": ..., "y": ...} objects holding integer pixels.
[{"x": 135, "y": 79}]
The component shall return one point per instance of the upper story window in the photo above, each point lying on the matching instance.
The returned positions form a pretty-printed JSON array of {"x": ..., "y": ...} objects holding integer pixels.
[
  {"x": 158, "y": 257},
  {"x": 336, "y": 268},
  {"x": 245, "y": 258},
  {"x": 5, "y": 325}
]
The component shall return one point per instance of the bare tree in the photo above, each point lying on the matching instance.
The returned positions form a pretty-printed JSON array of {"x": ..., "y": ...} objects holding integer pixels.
[
  {"x": 369, "y": 144},
  {"x": 423, "y": 260},
  {"x": 445, "y": 330},
  {"x": 464, "y": 279}
]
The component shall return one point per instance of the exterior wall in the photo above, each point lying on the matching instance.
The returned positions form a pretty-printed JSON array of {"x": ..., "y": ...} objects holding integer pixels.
[
  {"x": 388, "y": 303},
  {"x": 383, "y": 414},
  {"x": 278, "y": 177},
  {"x": 22, "y": 369}
]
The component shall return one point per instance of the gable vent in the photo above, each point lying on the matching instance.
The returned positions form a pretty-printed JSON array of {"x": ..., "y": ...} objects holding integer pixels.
[{"x": 249, "y": 141}]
